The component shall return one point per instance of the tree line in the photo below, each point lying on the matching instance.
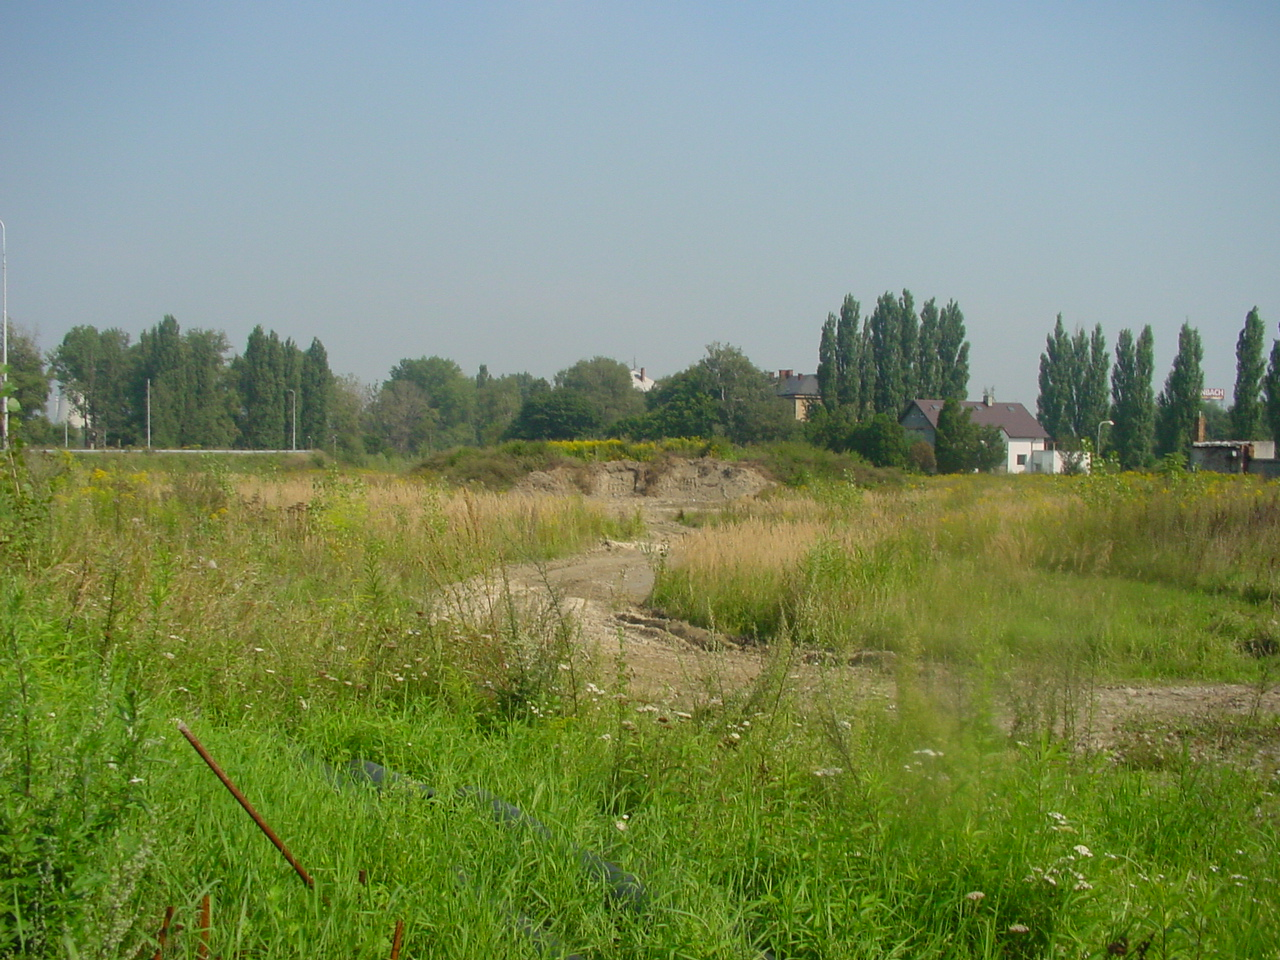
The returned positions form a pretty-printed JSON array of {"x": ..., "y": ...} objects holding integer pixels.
[
  {"x": 868, "y": 372},
  {"x": 1082, "y": 393},
  {"x": 194, "y": 392},
  {"x": 173, "y": 388}
]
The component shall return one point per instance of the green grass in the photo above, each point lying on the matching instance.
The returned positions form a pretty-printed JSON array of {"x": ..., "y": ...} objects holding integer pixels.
[{"x": 828, "y": 825}]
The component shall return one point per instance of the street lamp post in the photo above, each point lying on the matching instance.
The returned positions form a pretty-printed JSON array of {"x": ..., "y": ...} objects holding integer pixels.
[
  {"x": 293, "y": 437},
  {"x": 1105, "y": 423}
]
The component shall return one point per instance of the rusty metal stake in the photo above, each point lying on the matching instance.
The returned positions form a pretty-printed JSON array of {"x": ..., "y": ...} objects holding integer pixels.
[
  {"x": 244, "y": 802},
  {"x": 202, "y": 951},
  {"x": 399, "y": 939},
  {"x": 163, "y": 938}
]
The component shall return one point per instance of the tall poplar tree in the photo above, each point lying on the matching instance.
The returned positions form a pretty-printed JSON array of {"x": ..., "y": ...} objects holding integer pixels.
[
  {"x": 1178, "y": 406},
  {"x": 909, "y": 338},
  {"x": 888, "y": 352},
  {"x": 849, "y": 386},
  {"x": 1092, "y": 402},
  {"x": 1271, "y": 392},
  {"x": 207, "y": 421},
  {"x": 1073, "y": 382},
  {"x": 1133, "y": 399},
  {"x": 1058, "y": 376},
  {"x": 827, "y": 364},
  {"x": 953, "y": 353},
  {"x": 160, "y": 383},
  {"x": 1246, "y": 410},
  {"x": 929, "y": 375},
  {"x": 261, "y": 377},
  {"x": 314, "y": 395}
]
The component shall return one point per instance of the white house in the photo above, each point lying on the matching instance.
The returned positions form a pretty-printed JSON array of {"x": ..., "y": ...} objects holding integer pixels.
[{"x": 1021, "y": 432}]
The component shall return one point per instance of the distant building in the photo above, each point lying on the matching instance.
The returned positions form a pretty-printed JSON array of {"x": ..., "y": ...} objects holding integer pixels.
[
  {"x": 642, "y": 382},
  {"x": 1235, "y": 456},
  {"x": 800, "y": 390},
  {"x": 1022, "y": 433}
]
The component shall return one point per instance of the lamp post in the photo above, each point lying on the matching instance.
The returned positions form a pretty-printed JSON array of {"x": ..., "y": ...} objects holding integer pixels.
[
  {"x": 1105, "y": 423},
  {"x": 4, "y": 311},
  {"x": 293, "y": 437}
]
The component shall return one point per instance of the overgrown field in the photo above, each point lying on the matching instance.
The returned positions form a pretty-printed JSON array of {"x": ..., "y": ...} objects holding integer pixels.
[{"x": 297, "y": 619}]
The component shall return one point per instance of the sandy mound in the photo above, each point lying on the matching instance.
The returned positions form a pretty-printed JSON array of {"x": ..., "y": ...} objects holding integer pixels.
[{"x": 686, "y": 480}]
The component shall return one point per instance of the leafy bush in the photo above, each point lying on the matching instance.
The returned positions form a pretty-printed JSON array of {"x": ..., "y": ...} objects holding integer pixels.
[{"x": 73, "y": 744}]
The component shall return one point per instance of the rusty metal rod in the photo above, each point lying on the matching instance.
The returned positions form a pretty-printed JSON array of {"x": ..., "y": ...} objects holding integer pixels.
[
  {"x": 163, "y": 938},
  {"x": 398, "y": 940},
  {"x": 244, "y": 802},
  {"x": 202, "y": 950}
]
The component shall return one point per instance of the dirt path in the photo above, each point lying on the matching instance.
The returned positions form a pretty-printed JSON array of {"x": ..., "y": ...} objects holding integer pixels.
[{"x": 675, "y": 666}]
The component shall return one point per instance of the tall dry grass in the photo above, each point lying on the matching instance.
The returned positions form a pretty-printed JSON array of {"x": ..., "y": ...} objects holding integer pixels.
[{"x": 1151, "y": 576}]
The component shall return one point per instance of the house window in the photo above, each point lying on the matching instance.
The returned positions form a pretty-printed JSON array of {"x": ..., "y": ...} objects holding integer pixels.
[{"x": 1022, "y": 459}]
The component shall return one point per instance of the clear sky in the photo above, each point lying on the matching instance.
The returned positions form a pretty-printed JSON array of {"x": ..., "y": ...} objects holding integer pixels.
[{"x": 525, "y": 184}]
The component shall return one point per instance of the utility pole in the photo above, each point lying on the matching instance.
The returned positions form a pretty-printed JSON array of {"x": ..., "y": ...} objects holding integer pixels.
[
  {"x": 148, "y": 413},
  {"x": 293, "y": 440}
]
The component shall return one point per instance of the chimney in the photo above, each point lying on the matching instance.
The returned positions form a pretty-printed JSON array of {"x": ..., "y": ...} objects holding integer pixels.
[
  {"x": 1201, "y": 428},
  {"x": 642, "y": 374}
]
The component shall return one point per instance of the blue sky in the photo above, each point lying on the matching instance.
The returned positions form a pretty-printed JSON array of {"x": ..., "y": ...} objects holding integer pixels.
[{"x": 524, "y": 184}]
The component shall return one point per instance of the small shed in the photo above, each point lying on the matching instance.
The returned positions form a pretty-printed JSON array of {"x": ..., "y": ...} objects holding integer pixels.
[{"x": 1231, "y": 456}]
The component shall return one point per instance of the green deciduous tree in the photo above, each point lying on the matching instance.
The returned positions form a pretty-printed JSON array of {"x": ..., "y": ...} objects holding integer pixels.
[
  {"x": 28, "y": 376},
  {"x": 1057, "y": 378},
  {"x": 606, "y": 383},
  {"x": 314, "y": 396},
  {"x": 880, "y": 439},
  {"x": 400, "y": 418},
  {"x": 1178, "y": 406},
  {"x": 1093, "y": 400},
  {"x": 962, "y": 446},
  {"x": 261, "y": 379},
  {"x": 348, "y": 401},
  {"x": 498, "y": 400},
  {"x": 1133, "y": 399},
  {"x": 953, "y": 353},
  {"x": 449, "y": 392},
  {"x": 1247, "y": 410},
  {"x": 827, "y": 365},
  {"x": 559, "y": 414},
  {"x": 929, "y": 376},
  {"x": 1073, "y": 383},
  {"x": 160, "y": 371},
  {"x": 893, "y": 337},
  {"x": 723, "y": 394},
  {"x": 748, "y": 406},
  {"x": 1271, "y": 391},
  {"x": 850, "y": 382},
  {"x": 208, "y": 420},
  {"x": 94, "y": 368}
]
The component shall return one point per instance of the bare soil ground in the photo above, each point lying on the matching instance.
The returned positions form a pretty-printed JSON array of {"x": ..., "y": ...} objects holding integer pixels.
[{"x": 675, "y": 666}]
